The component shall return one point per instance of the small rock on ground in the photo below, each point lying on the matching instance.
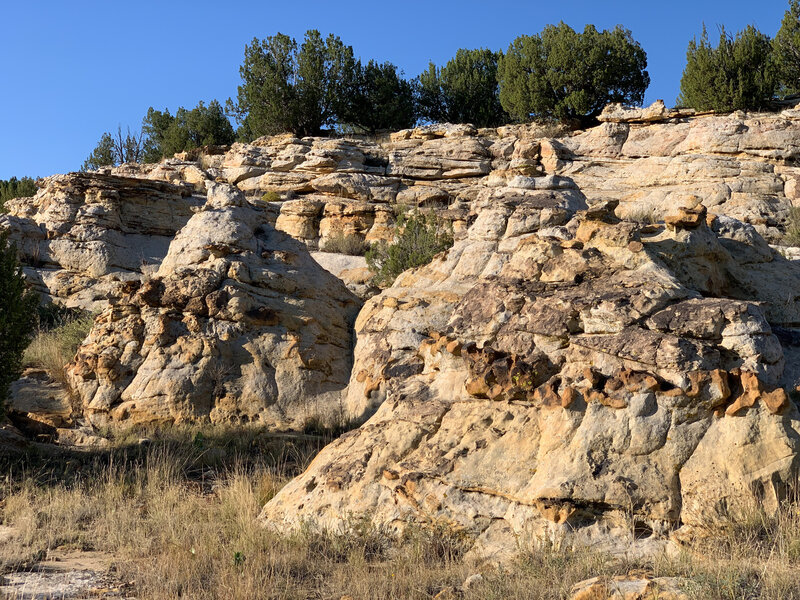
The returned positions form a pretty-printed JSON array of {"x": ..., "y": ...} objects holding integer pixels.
[{"x": 628, "y": 588}]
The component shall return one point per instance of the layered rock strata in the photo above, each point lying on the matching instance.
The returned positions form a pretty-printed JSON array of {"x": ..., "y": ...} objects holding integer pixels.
[
  {"x": 739, "y": 165},
  {"x": 85, "y": 236},
  {"x": 96, "y": 240}
]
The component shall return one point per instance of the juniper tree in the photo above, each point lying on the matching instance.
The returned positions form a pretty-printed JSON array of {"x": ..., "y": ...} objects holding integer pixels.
[
  {"x": 115, "y": 150},
  {"x": 17, "y": 316},
  {"x": 286, "y": 89},
  {"x": 738, "y": 74},
  {"x": 202, "y": 126},
  {"x": 569, "y": 75},
  {"x": 16, "y": 188},
  {"x": 381, "y": 99},
  {"x": 786, "y": 50},
  {"x": 464, "y": 90}
]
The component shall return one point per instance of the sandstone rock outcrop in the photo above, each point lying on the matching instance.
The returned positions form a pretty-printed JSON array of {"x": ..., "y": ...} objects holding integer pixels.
[
  {"x": 85, "y": 236},
  {"x": 652, "y": 159},
  {"x": 352, "y": 270},
  {"x": 599, "y": 381},
  {"x": 37, "y": 397},
  {"x": 211, "y": 310},
  {"x": 238, "y": 324},
  {"x": 738, "y": 165}
]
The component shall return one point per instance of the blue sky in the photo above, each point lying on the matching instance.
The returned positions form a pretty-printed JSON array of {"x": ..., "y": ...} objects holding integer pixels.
[{"x": 71, "y": 70}]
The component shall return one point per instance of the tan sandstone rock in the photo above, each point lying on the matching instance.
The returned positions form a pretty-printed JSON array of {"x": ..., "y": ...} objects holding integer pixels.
[
  {"x": 583, "y": 402},
  {"x": 85, "y": 236},
  {"x": 631, "y": 588},
  {"x": 238, "y": 324}
]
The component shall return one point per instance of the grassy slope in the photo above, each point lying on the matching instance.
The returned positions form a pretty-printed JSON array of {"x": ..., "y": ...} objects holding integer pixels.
[{"x": 178, "y": 514}]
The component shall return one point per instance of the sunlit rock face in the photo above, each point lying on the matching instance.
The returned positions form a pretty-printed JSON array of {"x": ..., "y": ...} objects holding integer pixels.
[
  {"x": 581, "y": 378},
  {"x": 239, "y": 324}
]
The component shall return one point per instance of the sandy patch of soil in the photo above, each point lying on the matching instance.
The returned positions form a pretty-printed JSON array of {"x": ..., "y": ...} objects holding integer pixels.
[{"x": 62, "y": 575}]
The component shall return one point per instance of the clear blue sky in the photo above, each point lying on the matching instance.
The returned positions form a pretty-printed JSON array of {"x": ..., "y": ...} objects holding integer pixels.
[{"x": 71, "y": 70}]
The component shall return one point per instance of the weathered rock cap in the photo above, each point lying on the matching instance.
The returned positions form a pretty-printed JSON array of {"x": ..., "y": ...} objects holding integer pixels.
[
  {"x": 603, "y": 211},
  {"x": 435, "y": 131},
  {"x": 687, "y": 218},
  {"x": 655, "y": 113}
]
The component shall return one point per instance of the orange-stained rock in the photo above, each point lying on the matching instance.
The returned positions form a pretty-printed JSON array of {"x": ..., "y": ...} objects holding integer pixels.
[
  {"x": 591, "y": 376},
  {"x": 776, "y": 400},
  {"x": 635, "y": 246},
  {"x": 627, "y": 587},
  {"x": 741, "y": 403},
  {"x": 454, "y": 348},
  {"x": 477, "y": 387},
  {"x": 547, "y": 395},
  {"x": 568, "y": 396},
  {"x": 687, "y": 218}
]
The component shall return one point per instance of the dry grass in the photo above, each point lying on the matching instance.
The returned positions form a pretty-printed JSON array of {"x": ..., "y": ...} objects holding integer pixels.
[
  {"x": 340, "y": 242},
  {"x": 52, "y": 348},
  {"x": 792, "y": 235},
  {"x": 178, "y": 514}
]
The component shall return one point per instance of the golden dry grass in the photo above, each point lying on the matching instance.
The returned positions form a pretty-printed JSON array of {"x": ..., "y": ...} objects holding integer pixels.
[
  {"x": 178, "y": 514},
  {"x": 51, "y": 349},
  {"x": 792, "y": 235}
]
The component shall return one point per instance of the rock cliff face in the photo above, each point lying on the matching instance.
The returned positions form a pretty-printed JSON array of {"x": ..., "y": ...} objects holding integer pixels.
[
  {"x": 606, "y": 354},
  {"x": 739, "y": 165},
  {"x": 598, "y": 380},
  {"x": 238, "y": 324},
  {"x": 85, "y": 235}
]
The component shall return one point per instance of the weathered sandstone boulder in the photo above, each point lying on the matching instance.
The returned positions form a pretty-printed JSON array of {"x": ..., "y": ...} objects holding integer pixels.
[
  {"x": 170, "y": 170},
  {"x": 37, "y": 397},
  {"x": 237, "y": 324},
  {"x": 589, "y": 380},
  {"x": 656, "y": 112},
  {"x": 85, "y": 236}
]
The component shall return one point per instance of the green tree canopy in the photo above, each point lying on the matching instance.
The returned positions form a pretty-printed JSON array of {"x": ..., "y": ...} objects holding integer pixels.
[
  {"x": 571, "y": 76},
  {"x": 465, "y": 90},
  {"x": 162, "y": 135},
  {"x": 16, "y": 188},
  {"x": 299, "y": 91},
  {"x": 115, "y": 150},
  {"x": 202, "y": 126},
  {"x": 381, "y": 99},
  {"x": 786, "y": 50},
  {"x": 739, "y": 74},
  {"x": 17, "y": 317}
]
